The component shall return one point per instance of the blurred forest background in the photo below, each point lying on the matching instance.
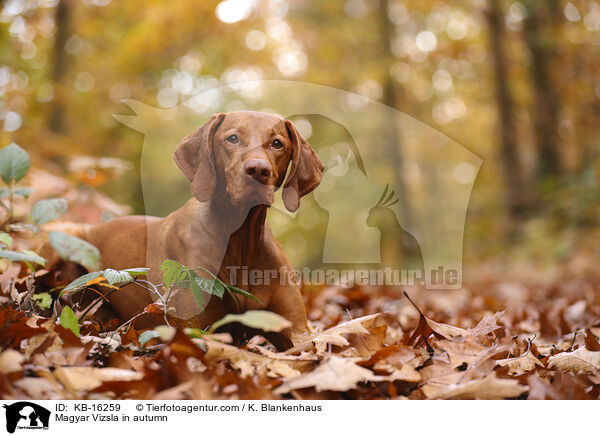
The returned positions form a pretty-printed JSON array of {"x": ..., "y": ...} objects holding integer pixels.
[{"x": 515, "y": 82}]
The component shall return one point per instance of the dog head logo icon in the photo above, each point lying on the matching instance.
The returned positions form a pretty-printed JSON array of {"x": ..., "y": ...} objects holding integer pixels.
[{"x": 24, "y": 414}]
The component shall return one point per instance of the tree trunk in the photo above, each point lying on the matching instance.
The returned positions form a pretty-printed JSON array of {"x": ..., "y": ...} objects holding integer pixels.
[
  {"x": 511, "y": 165},
  {"x": 390, "y": 99},
  {"x": 59, "y": 68},
  {"x": 539, "y": 26}
]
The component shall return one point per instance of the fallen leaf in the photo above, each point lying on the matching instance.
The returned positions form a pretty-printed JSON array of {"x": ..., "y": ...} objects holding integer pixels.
[
  {"x": 79, "y": 378},
  {"x": 405, "y": 373},
  {"x": 487, "y": 388},
  {"x": 447, "y": 331},
  {"x": 335, "y": 335},
  {"x": 249, "y": 363},
  {"x": 427, "y": 326},
  {"x": 488, "y": 324},
  {"x": 520, "y": 364},
  {"x": 334, "y": 374},
  {"x": 580, "y": 360},
  {"x": 258, "y": 319}
]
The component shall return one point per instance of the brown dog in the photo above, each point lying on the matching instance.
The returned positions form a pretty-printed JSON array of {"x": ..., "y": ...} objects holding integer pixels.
[{"x": 235, "y": 162}]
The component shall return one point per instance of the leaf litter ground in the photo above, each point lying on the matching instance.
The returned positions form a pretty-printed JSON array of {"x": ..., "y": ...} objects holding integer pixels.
[{"x": 492, "y": 339}]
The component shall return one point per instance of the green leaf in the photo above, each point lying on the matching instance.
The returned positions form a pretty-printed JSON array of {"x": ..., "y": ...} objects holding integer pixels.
[
  {"x": 147, "y": 335},
  {"x": 14, "y": 163},
  {"x": 19, "y": 192},
  {"x": 172, "y": 272},
  {"x": 196, "y": 290},
  {"x": 48, "y": 210},
  {"x": 236, "y": 290},
  {"x": 79, "y": 283},
  {"x": 23, "y": 192},
  {"x": 165, "y": 332},
  {"x": 258, "y": 319},
  {"x": 34, "y": 257},
  {"x": 195, "y": 333},
  {"x": 213, "y": 287},
  {"x": 113, "y": 276},
  {"x": 44, "y": 299},
  {"x": 69, "y": 320},
  {"x": 6, "y": 239},
  {"x": 22, "y": 256},
  {"x": 137, "y": 271},
  {"x": 74, "y": 249}
]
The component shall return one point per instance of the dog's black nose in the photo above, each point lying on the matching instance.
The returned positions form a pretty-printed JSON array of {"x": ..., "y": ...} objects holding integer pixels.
[{"x": 258, "y": 169}]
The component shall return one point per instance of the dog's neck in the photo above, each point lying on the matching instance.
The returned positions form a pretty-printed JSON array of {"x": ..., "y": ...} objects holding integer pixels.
[
  {"x": 242, "y": 227},
  {"x": 246, "y": 239}
]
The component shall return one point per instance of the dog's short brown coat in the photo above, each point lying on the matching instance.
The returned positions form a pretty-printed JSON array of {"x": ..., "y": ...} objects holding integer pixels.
[{"x": 224, "y": 224}]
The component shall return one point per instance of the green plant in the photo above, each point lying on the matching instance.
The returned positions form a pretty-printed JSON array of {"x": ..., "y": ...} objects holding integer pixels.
[
  {"x": 178, "y": 275},
  {"x": 175, "y": 275},
  {"x": 14, "y": 165}
]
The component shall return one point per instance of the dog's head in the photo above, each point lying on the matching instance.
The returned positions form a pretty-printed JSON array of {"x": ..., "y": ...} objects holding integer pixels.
[{"x": 246, "y": 154}]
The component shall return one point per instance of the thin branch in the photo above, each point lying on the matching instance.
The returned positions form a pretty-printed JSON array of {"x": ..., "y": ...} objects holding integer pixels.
[
  {"x": 124, "y": 324},
  {"x": 152, "y": 288},
  {"x": 10, "y": 202},
  {"x": 95, "y": 302}
]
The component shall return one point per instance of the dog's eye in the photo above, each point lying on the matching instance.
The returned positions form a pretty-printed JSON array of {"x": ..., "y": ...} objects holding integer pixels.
[
  {"x": 277, "y": 144},
  {"x": 233, "y": 139}
]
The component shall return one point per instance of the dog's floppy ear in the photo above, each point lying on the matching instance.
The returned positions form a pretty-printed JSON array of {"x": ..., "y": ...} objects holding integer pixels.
[
  {"x": 305, "y": 172},
  {"x": 194, "y": 157}
]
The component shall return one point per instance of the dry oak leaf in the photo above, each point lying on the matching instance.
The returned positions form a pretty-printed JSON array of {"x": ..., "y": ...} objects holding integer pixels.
[
  {"x": 380, "y": 331},
  {"x": 488, "y": 324},
  {"x": 406, "y": 373},
  {"x": 580, "y": 360},
  {"x": 468, "y": 352},
  {"x": 487, "y": 388},
  {"x": 393, "y": 359},
  {"x": 520, "y": 364},
  {"x": 333, "y": 374},
  {"x": 250, "y": 363},
  {"x": 438, "y": 376},
  {"x": 81, "y": 378},
  {"x": 334, "y": 335},
  {"x": 447, "y": 331},
  {"x": 427, "y": 326},
  {"x": 32, "y": 344}
]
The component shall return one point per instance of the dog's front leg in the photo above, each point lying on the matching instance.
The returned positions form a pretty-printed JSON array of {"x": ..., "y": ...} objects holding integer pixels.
[{"x": 278, "y": 291}]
